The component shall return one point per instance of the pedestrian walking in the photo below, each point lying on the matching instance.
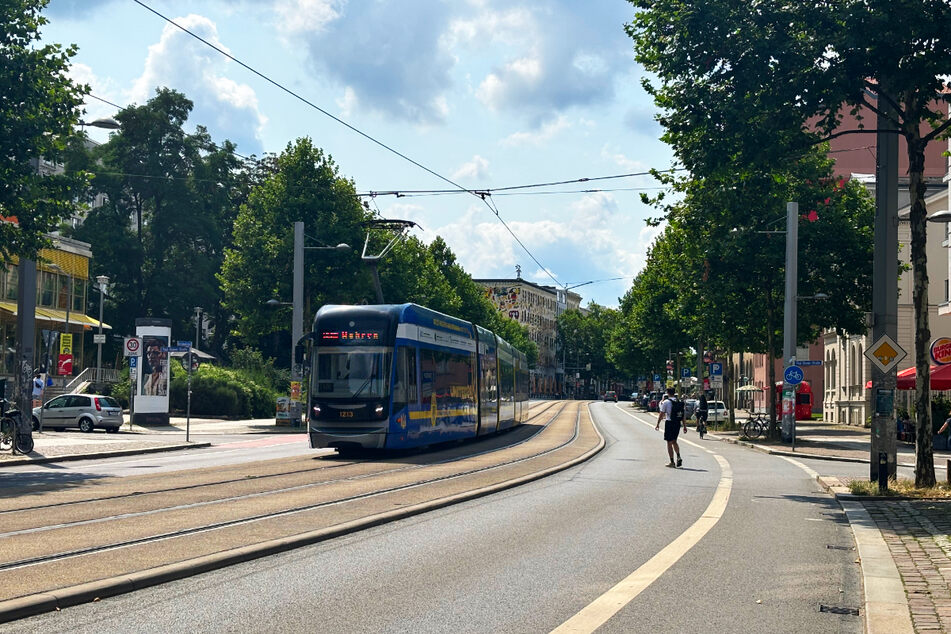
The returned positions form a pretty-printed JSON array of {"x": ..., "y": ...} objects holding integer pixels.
[
  {"x": 38, "y": 386},
  {"x": 672, "y": 413},
  {"x": 702, "y": 410}
]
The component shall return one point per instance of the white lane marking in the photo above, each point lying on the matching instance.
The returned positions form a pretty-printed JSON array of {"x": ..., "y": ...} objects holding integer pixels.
[
  {"x": 599, "y": 611},
  {"x": 812, "y": 474}
]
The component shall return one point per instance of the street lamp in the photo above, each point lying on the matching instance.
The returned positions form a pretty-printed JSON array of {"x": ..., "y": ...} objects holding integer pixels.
[
  {"x": 106, "y": 123},
  {"x": 102, "y": 280}
]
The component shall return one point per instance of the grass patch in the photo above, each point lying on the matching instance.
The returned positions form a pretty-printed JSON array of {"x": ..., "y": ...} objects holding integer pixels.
[{"x": 902, "y": 487}]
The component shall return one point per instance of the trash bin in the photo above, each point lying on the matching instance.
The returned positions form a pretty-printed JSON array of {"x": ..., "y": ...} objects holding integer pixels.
[{"x": 282, "y": 414}]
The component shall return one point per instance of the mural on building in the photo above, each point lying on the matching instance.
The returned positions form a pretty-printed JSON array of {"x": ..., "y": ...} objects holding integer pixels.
[{"x": 505, "y": 299}]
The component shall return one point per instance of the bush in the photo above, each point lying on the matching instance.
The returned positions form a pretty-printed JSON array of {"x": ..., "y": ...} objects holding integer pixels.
[
  {"x": 940, "y": 407},
  {"x": 251, "y": 364},
  {"x": 221, "y": 392}
]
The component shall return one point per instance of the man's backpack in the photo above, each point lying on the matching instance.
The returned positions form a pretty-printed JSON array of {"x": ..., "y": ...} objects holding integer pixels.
[{"x": 677, "y": 411}]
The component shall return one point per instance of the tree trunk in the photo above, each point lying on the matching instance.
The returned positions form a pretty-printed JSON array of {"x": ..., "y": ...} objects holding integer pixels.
[{"x": 924, "y": 450}]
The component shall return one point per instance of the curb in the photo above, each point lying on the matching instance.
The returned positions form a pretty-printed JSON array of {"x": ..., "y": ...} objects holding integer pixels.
[
  {"x": 886, "y": 604},
  {"x": 50, "y": 601},
  {"x": 800, "y": 454},
  {"x": 101, "y": 454}
]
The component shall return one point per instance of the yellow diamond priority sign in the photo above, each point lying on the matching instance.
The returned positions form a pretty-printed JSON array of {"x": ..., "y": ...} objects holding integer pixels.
[{"x": 885, "y": 353}]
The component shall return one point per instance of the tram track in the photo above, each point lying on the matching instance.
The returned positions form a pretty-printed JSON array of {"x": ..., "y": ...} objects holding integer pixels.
[
  {"x": 273, "y": 515},
  {"x": 183, "y": 532},
  {"x": 248, "y": 496},
  {"x": 326, "y": 463}
]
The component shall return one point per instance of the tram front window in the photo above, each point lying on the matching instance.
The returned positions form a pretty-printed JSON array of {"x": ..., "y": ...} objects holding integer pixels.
[{"x": 353, "y": 374}]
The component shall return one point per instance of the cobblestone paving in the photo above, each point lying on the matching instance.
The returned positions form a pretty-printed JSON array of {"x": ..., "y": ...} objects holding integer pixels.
[{"x": 917, "y": 534}]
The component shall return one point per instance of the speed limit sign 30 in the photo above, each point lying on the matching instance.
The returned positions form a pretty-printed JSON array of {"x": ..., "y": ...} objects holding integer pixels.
[{"x": 131, "y": 346}]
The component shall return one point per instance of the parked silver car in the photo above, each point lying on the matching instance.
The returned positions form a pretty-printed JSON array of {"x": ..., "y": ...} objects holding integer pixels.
[{"x": 85, "y": 411}]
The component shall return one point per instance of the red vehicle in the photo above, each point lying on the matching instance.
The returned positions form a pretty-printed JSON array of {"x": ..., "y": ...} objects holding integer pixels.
[{"x": 803, "y": 400}]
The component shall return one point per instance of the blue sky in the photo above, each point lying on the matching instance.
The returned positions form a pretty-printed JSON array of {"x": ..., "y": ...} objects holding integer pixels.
[{"x": 487, "y": 93}]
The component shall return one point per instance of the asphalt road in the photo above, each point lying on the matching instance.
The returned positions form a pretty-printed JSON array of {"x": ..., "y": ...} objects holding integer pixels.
[{"x": 531, "y": 558}]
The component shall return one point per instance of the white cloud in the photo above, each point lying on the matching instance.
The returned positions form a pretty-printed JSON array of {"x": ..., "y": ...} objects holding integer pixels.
[
  {"x": 227, "y": 108},
  {"x": 538, "y": 137},
  {"x": 617, "y": 157},
  {"x": 348, "y": 103},
  {"x": 476, "y": 169},
  {"x": 598, "y": 239},
  {"x": 301, "y": 16}
]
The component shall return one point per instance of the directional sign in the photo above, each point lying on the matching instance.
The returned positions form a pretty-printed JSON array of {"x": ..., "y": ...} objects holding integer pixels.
[
  {"x": 131, "y": 346},
  {"x": 808, "y": 362},
  {"x": 183, "y": 344},
  {"x": 885, "y": 353},
  {"x": 174, "y": 348},
  {"x": 792, "y": 375}
]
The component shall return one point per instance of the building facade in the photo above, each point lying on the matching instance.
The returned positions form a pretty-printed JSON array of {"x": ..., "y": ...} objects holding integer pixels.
[
  {"x": 62, "y": 280},
  {"x": 536, "y": 307}
]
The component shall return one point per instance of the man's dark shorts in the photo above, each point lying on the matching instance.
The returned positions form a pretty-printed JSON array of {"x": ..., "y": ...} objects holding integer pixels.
[{"x": 671, "y": 430}]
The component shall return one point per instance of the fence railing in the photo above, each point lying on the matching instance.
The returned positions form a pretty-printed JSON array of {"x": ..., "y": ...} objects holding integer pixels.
[{"x": 109, "y": 375}]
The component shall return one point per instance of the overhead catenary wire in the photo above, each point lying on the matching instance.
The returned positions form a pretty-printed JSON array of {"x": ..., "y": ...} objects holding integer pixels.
[{"x": 340, "y": 121}]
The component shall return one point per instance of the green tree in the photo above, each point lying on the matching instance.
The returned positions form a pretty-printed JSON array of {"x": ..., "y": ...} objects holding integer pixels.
[
  {"x": 304, "y": 186},
  {"x": 39, "y": 109},
  {"x": 170, "y": 201},
  {"x": 739, "y": 83}
]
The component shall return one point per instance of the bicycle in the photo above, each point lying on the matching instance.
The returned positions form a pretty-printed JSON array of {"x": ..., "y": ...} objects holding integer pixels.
[
  {"x": 756, "y": 426},
  {"x": 10, "y": 436}
]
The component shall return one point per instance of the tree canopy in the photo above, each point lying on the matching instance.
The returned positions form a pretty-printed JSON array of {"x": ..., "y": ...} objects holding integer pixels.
[{"x": 37, "y": 114}]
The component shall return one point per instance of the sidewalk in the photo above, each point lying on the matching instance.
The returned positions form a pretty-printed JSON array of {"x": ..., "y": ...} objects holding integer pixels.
[
  {"x": 135, "y": 439},
  {"x": 903, "y": 545}
]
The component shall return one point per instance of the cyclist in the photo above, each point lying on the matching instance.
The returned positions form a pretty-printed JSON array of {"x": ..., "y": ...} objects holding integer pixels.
[{"x": 702, "y": 409}]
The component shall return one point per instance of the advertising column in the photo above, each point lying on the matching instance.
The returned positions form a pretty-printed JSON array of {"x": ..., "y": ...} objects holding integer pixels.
[{"x": 151, "y": 395}]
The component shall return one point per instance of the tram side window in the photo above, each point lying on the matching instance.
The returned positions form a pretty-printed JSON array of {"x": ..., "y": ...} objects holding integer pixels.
[{"x": 404, "y": 390}]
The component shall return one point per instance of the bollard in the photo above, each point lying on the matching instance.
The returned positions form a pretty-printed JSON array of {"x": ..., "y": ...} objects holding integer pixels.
[
  {"x": 947, "y": 472},
  {"x": 882, "y": 472}
]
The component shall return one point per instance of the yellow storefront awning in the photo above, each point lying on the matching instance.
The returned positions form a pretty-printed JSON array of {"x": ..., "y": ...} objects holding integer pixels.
[{"x": 59, "y": 316}]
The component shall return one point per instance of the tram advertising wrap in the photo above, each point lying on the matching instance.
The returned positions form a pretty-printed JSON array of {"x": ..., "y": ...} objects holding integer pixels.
[{"x": 400, "y": 376}]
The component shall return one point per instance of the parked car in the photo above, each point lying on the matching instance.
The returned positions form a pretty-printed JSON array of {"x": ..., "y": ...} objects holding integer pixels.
[
  {"x": 610, "y": 395},
  {"x": 85, "y": 411},
  {"x": 690, "y": 406},
  {"x": 716, "y": 412},
  {"x": 654, "y": 402}
]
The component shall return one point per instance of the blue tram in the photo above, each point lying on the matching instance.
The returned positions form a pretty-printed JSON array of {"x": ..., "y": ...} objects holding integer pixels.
[{"x": 400, "y": 376}]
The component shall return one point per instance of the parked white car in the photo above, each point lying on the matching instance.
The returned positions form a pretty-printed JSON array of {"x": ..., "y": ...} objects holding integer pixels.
[
  {"x": 716, "y": 412},
  {"x": 85, "y": 411}
]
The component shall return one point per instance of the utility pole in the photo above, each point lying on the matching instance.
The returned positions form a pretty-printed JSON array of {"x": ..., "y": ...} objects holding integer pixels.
[
  {"x": 885, "y": 291},
  {"x": 789, "y": 320},
  {"x": 26, "y": 333}
]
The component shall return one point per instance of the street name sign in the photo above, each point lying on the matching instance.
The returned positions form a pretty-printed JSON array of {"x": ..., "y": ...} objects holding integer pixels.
[{"x": 885, "y": 353}]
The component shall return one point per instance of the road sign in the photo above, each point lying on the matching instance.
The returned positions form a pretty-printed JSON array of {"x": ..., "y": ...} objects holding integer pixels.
[
  {"x": 133, "y": 362},
  {"x": 131, "y": 346},
  {"x": 792, "y": 375},
  {"x": 808, "y": 362},
  {"x": 183, "y": 344},
  {"x": 716, "y": 369},
  {"x": 174, "y": 349},
  {"x": 195, "y": 362},
  {"x": 99, "y": 339},
  {"x": 657, "y": 377},
  {"x": 716, "y": 381},
  {"x": 885, "y": 353}
]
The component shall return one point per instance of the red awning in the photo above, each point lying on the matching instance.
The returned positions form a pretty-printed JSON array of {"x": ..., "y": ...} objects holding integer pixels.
[{"x": 940, "y": 378}]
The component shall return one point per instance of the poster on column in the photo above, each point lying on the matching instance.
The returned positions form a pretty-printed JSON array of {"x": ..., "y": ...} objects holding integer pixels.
[{"x": 151, "y": 395}]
